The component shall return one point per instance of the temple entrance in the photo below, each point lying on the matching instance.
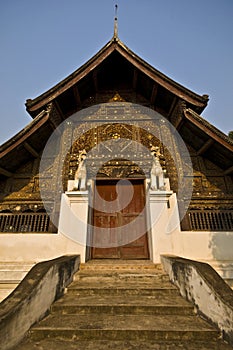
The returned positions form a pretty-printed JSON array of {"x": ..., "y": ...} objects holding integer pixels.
[{"x": 110, "y": 219}]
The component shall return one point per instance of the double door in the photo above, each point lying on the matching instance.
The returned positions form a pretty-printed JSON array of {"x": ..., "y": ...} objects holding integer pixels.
[{"x": 119, "y": 220}]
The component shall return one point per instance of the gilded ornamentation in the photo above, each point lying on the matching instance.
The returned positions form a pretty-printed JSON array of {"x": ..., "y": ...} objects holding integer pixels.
[
  {"x": 130, "y": 136},
  {"x": 116, "y": 98}
]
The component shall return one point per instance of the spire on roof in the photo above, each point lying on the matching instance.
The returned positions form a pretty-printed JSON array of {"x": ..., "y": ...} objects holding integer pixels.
[{"x": 115, "y": 36}]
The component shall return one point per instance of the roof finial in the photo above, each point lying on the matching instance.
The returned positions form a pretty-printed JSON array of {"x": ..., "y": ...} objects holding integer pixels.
[{"x": 116, "y": 23}]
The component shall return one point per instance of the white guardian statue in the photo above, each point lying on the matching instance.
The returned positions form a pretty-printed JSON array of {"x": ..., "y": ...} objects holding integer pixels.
[
  {"x": 156, "y": 175},
  {"x": 80, "y": 177}
]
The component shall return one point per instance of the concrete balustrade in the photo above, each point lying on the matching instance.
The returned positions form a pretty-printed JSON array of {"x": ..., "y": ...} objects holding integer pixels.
[
  {"x": 199, "y": 283},
  {"x": 32, "y": 299}
]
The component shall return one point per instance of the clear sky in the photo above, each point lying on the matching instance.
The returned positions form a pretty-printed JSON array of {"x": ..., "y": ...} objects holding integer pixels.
[{"x": 43, "y": 41}]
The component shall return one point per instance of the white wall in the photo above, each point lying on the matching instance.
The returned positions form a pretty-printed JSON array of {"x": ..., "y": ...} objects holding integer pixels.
[
  {"x": 71, "y": 238},
  {"x": 36, "y": 247}
]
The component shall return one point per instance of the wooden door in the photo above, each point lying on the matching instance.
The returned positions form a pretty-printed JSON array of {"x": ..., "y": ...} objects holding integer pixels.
[{"x": 111, "y": 236}]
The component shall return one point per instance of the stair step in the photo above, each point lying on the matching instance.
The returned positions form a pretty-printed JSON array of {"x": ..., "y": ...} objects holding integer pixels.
[
  {"x": 122, "y": 327},
  {"x": 123, "y": 309},
  {"x": 14, "y": 270},
  {"x": 229, "y": 282},
  {"x": 107, "y": 277},
  {"x": 16, "y": 265},
  {"x": 12, "y": 275},
  {"x": 114, "y": 264},
  {"x": 74, "y": 344},
  {"x": 122, "y": 290},
  {"x": 4, "y": 294},
  {"x": 8, "y": 284},
  {"x": 118, "y": 283},
  {"x": 6, "y": 287},
  {"x": 145, "y": 305}
]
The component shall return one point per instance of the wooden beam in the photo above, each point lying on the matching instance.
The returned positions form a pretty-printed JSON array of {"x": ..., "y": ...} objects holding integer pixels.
[
  {"x": 58, "y": 108},
  {"x": 154, "y": 94},
  {"x": 207, "y": 131},
  {"x": 5, "y": 172},
  {"x": 25, "y": 135},
  {"x": 205, "y": 147},
  {"x": 54, "y": 126},
  {"x": 135, "y": 78},
  {"x": 95, "y": 79},
  {"x": 229, "y": 171},
  {"x": 168, "y": 84},
  {"x": 77, "y": 95},
  {"x": 31, "y": 150},
  {"x": 179, "y": 123},
  {"x": 68, "y": 83},
  {"x": 173, "y": 104}
]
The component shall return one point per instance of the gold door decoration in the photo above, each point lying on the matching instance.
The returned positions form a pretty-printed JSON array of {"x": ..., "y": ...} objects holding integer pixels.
[{"x": 131, "y": 137}]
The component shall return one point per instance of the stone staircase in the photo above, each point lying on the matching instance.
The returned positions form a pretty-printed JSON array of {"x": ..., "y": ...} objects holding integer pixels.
[
  {"x": 126, "y": 305},
  {"x": 11, "y": 274}
]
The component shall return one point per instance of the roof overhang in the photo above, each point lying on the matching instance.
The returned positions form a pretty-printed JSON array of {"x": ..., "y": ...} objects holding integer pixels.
[{"x": 151, "y": 77}]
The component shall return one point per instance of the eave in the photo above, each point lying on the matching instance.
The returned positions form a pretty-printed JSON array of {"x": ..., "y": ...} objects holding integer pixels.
[
  {"x": 207, "y": 140},
  {"x": 25, "y": 145},
  {"x": 24, "y": 134},
  {"x": 210, "y": 130},
  {"x": 177, "y": 89},
  {"x": 197, "y": 102}
]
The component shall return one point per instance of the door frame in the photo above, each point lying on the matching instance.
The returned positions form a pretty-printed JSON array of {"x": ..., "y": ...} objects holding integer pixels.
[{"x": 90, "y": 232}]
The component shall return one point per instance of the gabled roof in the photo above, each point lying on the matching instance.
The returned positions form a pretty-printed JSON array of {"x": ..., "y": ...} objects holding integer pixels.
[
  {"x": 116, "y": 68},
  {"x": 116, "y": 52}
]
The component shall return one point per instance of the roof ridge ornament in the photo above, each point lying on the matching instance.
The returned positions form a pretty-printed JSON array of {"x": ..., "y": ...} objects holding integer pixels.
[{"x": 115, "y": 36}]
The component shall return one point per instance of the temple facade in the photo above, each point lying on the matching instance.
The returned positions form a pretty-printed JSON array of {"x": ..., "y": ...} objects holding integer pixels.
[{"x": 117, "y": 163}]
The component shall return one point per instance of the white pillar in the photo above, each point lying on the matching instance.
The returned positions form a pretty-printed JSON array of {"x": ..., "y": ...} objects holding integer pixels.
[
  {"x": 73, "y": 219},
  {"x": 164, "y": 222}
]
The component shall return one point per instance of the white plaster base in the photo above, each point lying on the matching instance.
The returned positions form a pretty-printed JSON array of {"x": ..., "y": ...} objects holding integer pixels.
[
  {"x": 73, "y": 219},
  {"x": 164, "y": 221}
]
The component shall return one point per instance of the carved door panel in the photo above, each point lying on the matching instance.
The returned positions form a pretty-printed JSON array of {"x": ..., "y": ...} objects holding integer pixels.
[{"x": 111, "y": 237}]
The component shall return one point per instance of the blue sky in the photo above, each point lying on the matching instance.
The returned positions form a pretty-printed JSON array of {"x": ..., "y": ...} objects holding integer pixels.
[{"x": 44, "y": 41}]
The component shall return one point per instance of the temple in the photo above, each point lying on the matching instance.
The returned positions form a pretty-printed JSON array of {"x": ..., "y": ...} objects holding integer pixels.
[{"x": 117, "y": 163}]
